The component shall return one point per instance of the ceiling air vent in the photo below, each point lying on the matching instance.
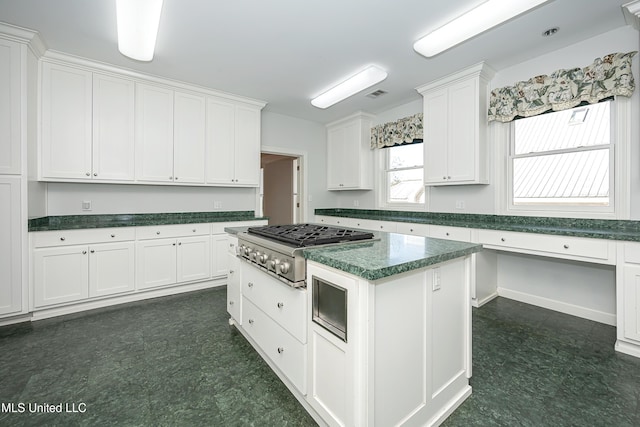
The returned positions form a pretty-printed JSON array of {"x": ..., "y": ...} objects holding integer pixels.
[{"x": 376, "y": 94}]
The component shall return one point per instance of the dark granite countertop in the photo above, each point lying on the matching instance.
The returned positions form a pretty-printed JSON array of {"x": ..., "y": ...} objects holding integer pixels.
[
  {"x": 73, "y": 222},
  {"x": 392, "y": 254},
  {"x": 593, "y": 228}
]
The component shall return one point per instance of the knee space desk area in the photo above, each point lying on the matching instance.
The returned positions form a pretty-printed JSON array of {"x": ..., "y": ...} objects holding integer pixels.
[{"x": 587, "y": 268}]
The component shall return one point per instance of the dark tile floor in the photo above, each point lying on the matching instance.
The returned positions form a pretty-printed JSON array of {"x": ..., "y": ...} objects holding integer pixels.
[{"x": 175, "y": 361}]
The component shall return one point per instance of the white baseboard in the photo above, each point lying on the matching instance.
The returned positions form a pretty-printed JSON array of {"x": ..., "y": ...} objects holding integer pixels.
[
  {"x": 628, "y": 348},
  {"x": 562, "y": 307},
  {"x": 16, "y": 319},
  {"x": 480, "y": 302}
]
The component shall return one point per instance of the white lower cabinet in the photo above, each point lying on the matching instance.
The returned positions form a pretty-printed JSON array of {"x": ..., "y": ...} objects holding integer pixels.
[
  {"x": 10, "y": 246},
  {"x": 193, "y": 260},
  {"x": 73, "y": 273},
  {"x": 631, "y": 302},
  {"x": 220, "y": 255},
  {"x": 234, "y": 295}
]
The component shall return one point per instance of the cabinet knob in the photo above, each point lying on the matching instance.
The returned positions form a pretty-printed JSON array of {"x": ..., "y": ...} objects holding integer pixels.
[
  {"x": 88, "y": 174},
  {"x": 63, "y": 239},
  {"x": 447, "y": 233},
  {"x": 411, "y": 229},
  {"x": 444, "y": 177},
  {"x": 158, "y": 233},
  {"x": 194, "y": 230},
  {"x": 95, "y": 174},
  {"x": 93, "y": 251},
  {"x": 170, "y": 178},
  {"x": 176, "y": 178},
  {"x": 448, "y": 177},
  {"x": 174, "y": 244},
  {"x": 251, "y": 321},
  {"x": 250, "y": 284},
  {"x": 280, "y": 350},
  {"x": 502, "y": 239},
  {"x": 566, "y": 246},
  {"x": 84, "y": 252},
  {"x": 113, "y": 235},
  {"x": 230, "y": 302},
  {"x": 230, "y": 271},
  {"x": 280, "y": 304},
  {"x": 230, "y": 245}
]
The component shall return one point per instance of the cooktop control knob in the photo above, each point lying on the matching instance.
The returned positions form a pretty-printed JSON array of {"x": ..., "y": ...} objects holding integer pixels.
[
  {"x": 256, "y": 256},
  {"x": 262, "y": 259},
  {"x": 284, "y": 267},
  {"x": 240, "y": 249}
]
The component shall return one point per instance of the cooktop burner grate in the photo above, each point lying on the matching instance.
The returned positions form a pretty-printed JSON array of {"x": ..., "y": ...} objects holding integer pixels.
[{"x": 302, "y": 235}]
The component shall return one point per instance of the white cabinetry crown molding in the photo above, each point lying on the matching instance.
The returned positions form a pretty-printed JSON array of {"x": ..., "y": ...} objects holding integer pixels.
[
  {"x": 480, "y": 69},
  {"x": 356, "y": 115},
  {"x": 23, "y": 35},
  {"x": 631, "y": 12},
  {"x": 91, "y": 65}
]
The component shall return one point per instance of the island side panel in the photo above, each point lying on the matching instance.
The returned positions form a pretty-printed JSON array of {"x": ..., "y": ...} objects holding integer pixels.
[{"x": 421, "y": 344}]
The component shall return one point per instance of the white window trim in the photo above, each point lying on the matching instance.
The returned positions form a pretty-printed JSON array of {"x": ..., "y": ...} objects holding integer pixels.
[
  {"x": 500, "y": 134},
  {"x": 381, "y": 188}
]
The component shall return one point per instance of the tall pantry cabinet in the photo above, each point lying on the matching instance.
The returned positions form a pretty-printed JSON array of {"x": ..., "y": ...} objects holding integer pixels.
[{"x": 18, "y": 76}]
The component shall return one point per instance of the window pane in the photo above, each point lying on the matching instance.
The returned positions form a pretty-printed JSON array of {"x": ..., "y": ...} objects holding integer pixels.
[
  {"x": 406, "y": 186},
  {"x": 404, "y": 156},
  {"x": 569, "y": 178},
  {"x": 577, "y": 127}
]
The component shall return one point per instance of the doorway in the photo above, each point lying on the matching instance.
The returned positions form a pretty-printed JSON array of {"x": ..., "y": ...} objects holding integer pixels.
[{"x": 281, "y": 187}]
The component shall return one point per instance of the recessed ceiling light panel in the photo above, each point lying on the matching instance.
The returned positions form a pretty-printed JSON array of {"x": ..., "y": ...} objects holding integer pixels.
[
  {"x": 359, "y": 82},
  {"x": 138, "y": 22},
  {"x": 476, "y": 21}
]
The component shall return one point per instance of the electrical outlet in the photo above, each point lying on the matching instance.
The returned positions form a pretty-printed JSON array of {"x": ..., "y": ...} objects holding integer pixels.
[
  {"x": 436, "y": 279},
  {"x": 460, "y": 204},
  {"x": 356, "y": 203},
  {"x": 217, "y": 204},
  {"x": 86, "y": 205}
]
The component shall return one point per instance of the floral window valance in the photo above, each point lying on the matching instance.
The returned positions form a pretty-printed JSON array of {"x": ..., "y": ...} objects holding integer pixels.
[
  {"x": 403, "y": 131},
  {"x": 607, "y": 76}
]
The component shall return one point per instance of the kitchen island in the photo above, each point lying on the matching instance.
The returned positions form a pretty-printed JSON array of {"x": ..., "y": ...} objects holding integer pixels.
[{"x": 401, "y": 354}]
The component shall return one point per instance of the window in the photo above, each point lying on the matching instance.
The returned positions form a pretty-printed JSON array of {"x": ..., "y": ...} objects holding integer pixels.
[
  {"x": 403, "y": 175},
  {"x": 563, "y": 161}
]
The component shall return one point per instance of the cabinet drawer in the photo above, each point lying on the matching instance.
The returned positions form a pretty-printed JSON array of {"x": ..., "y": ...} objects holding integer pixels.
[
  {"x": 336, "y": 221},
  {"x": 43, "y": 239},
  {"x": 450, "y": 233},
  {"x": 368, "y": 224},
  {"x": 632, "y": 253},
  {"x": 218, "y": 227},
  {"x": 282, "y": 348},
  {"x": 557, "y": 246},
  {"x": 177, "y": 230},
  {"x": 284, "y": 304},
  {"x": 415, "y": 229},
  {"x": 232, "y": 247}
]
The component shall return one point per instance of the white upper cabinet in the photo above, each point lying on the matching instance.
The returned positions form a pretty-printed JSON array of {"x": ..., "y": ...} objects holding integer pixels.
[
  {"x": 66, "y": 122},
  {"x": 189, "y": 133},
  {"x": 10, "y": 107},
  {"x": 233, "y": 143},
  {"x": 349, "y": 154},
  {"x": 113, "y": 129},
  {"x": 154, "y": 133},
  {"x": 455, "y": 127}
]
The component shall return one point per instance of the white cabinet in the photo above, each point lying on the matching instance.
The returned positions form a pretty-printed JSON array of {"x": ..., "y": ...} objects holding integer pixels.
[
  {"x": 154, "y": 133},
  {"x": 66, "y": 122},
  {"x": 628, "y": 299},
  {"x": 349, "y": 154},
  {"x": 113, "y": 128},
  {"x": 233, "y": 143},
  {"x": 220, "y": 255},
  {"x": 189, "y": 138},
  {"x": 455, "y": 127},
  {"x": 234, "y": 295},
  {"x": 64, "y": 274},
  {"x": 10, "y": 246},
  {"x": 87, "y": 125},
  {"x": 171, "y": 254},
  {"x": 10, "y": 107}
]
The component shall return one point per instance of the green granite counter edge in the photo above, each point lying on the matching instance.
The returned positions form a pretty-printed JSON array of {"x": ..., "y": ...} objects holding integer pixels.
[
  {"x": 72, "y": 222},
  {"x": 594, "y": 228}
]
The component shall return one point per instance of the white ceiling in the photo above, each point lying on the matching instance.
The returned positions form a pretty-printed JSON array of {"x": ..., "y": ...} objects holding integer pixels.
[{"x": 285, "y": 52}]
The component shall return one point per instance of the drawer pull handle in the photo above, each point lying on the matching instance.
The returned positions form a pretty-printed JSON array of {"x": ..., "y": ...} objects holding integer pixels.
[
  {"x": 113, "y": 235},
  {"x": 251, "y": 321},
  {"x": 502, "y": 239},
  {"x": 447, "y": 233},
  {"x": 230, "y": 271},
  {"x": 280, "y": 350},
  {"x": 250, "y": 284},
  {"x": 566, "y": 246},
  {"x": 63, "y": 239},
  {"x": 411, "y": 230},
  {"x": 158, "y": 233},
  {"x": 230, "y": 302},
  {"x": 280, "y": 304}
]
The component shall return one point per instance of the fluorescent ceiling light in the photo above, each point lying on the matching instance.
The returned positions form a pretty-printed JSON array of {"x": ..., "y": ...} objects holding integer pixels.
[
  {"x": 364, "y": 79},
  {"x": 478, "y": 20},
  {"x": 138, "y": 22}
]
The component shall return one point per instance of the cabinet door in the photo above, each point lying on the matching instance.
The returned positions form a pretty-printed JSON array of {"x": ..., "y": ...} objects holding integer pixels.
[
  {"x": 435, "y": 137},
  {"x": 234, "y": 297},
  {"x": 154, "y": 133},
  {"x": 111, "y": 269},
  {"x": 10, "y": 107},
  {"x": 10, "y": 246},
  {"x": 220, "y": 142},
  {"x": 61, "y": 274},
  {"x": 194, "y": 260},
  {"x": 66, "y": 122},
  {"x": 247, "y": 146},
  {"x": 336, "y": 161},
  {"x": 113, "y": 129},
  {"x": 155, "y": 263},
  {"x": 631, "y": 299},
  {"x": 219, "y": 255},
  {"x": 463, "y": 131},
  {"x": 189, "y": 138}
]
